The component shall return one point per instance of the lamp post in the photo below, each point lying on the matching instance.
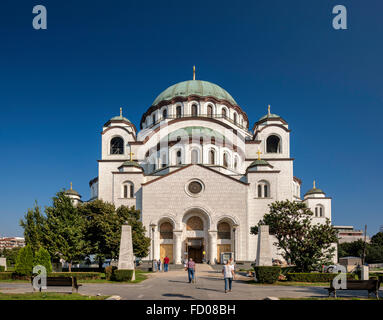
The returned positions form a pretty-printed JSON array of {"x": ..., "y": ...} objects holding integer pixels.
[
  {"x": 235, "y": 226},
  {"x": 152, "y": 226}
]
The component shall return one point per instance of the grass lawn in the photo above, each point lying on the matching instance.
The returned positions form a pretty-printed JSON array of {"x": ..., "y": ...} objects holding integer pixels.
[
  {"x": 292, "y": 283},
  {"x": 48, "y": 296}
]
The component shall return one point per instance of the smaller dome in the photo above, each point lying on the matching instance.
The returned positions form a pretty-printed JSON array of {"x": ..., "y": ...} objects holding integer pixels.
[
  {"x": 314, "y": 191},
  {"x": 120, "y": 118},
  {"x": 130, "y": 163},
  {"x": 72, "y": 192},
  {"x": 259, "y": 162},
  {"x": 269, "y": 116}
]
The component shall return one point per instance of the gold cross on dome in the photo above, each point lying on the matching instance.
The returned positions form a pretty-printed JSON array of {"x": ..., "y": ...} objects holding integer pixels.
[
  {"x": 131, "y": 154},
  {"x": 314, "y": 185},
  {"x": 120, "y": 112},
  {"x": 193, "y": 72},
  {"x": 259, "y": 154},
  {"x": 268, "y": 110},
  {"x": 71, "y": 185}
]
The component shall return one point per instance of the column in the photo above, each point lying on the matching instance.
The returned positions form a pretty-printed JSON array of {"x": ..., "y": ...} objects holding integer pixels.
[
  {"x": 156, "y": 248},
  {"x": 177, "y": 250},
  {"x": 212, "y": 246}
]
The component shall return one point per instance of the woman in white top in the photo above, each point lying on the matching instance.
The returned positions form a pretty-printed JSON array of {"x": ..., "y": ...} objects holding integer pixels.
[{"x": 228, "y": 275}]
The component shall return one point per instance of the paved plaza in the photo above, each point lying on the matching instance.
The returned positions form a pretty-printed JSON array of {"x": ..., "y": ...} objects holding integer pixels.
[{"x": 174, "y": 285}]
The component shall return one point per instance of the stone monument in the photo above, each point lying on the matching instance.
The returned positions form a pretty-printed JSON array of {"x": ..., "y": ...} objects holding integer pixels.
[
  {"x": 365, "y": 273},
  {"x": 126, "y": 257},
  {"x": 3, "y": 262},
  {"x": 264, "y": 247}
]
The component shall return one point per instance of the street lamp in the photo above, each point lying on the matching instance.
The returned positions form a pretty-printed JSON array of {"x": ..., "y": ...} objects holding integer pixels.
[
  {"x": 152, "y": 226},
  {"x": 235, "y": 226}
]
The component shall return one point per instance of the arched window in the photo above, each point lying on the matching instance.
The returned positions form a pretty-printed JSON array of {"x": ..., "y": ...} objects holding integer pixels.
[
  {"x": 235, "y": 163},
  {"x": 211, "y": 156},
  {"x": 117, "y": 146},
  {"x": 178, "y": 157},
  {"x": 194, "y": 110},
  {"x": 154, "y": 118},
  {"x": 235, "y": 118},
  {"x": 166, "y": 230},
  {"x": 178, "y": 112},
  {"x": 209, "y": 111},
  {"x": 194, "y": 224},
  {"x": 225, "y": 160},
  {"x": 164, "y": 113},
  {"x": 224, "y": 113},
  {"x": 194, "y": 156},
  {"x": 128, "y": 190},
  {"x": 273, "y": 144},
  {"x": 163, "y": 160},
  {"x": 319, "y": 211},
  {"x": 224, "y": 231},
  {"x": 263, "y": 189}
]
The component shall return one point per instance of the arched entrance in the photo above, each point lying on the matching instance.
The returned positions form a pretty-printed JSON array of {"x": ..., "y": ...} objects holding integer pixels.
[
  {"x": 195, "y": 244},
  {"x": 166, "y": 240}
]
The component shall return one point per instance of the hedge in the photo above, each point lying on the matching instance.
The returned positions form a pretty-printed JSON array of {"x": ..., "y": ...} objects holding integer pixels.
[
  {"x": 122, "y": 275},
  {"x": 83, "y": 269},
  {"x": 2, "y": 268},
  {"x": 314, "y": 277},
  {"x": 78, "y": 275},
  {"x": 109, "y": 272},
  {"x": 267, "y": 274}
]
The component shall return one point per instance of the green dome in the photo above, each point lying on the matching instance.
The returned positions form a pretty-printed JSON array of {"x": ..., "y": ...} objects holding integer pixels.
[
  {"x": 194, "y": 87},
  {"x": 314, "y": 191},
  {"x": 130, "y": 164},
  {"x": 71, "y": 192},
  {"x": 120, "y": 118},
  {"x": 271, "y": 115},
  {"x": 259, "y": 162}
]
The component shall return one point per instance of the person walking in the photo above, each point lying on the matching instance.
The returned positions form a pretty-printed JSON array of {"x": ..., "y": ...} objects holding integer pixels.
[
  {"x": 166, "y": 264},
  {"x": 190, "y": 266},
  {"x": 228, "y": 275},
  {"x": 159, "y": 264}
]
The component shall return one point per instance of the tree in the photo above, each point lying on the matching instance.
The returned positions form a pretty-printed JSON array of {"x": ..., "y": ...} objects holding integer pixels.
[
  {"x": 43, "y": 258},
  {"x": 24, "y": 261},
  {"x": 377, "y": 239},
  {"x": 11, "y": 255},
  {"x": 304, "y": 244},
  {"x": 64, "y": 229},
  {"x": 351, "y": 249},
  {"x": 33, "y": 227},
  {"x": 103, "y": 229}
]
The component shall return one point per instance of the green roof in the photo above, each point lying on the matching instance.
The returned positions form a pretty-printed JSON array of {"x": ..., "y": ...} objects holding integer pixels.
[
  {"x": 196, "y": 130},
  {"x": 259, "y": 162},
  {"x": 194, "y": 87},
  {"x": 120, "y": 118},
  {"x": 314, "y": 191},
  {"x": 269, "y": 116},
  {"x": 131, "y": 163},
  {"x": 72, "y": 192}
]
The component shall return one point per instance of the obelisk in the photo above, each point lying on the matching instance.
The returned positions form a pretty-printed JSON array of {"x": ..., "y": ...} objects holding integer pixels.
[
  {"x": 126, "y": 256},
  {"x": 264, "y": 247}
]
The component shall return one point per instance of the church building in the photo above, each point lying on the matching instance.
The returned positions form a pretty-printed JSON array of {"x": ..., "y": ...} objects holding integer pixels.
[{"x": 199, "y": 173}]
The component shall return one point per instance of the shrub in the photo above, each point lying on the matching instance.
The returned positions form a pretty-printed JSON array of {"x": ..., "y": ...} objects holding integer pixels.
[
  {"x": 2, "y": 268},
  {"x": 78, "y": 275},
  {"x": 5, "y": 275},
  {"x": 109, "y": 272},
  {"x": 267, "y": 274},
  {"x": 43, "y": 258},
  {"x": 314, "y": 277},
  {"x": 123, "y": 275},
  {"x": 24, "y": 261}
]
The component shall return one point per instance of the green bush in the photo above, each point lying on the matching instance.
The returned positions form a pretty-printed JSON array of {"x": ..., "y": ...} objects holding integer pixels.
[
  {"x": 43, "y": 258},
  {"x": 78, "y": 275},
  {"x": 2, "y": 268},
  {"x": 5, "y": 275},
  {"x": 24, "y": 261},
  {"x": 267, "y": 274},
  {"x": 109, "y": 272},
  {"x": 123, "y": 275},
  {"x": 314, "y": 277}
]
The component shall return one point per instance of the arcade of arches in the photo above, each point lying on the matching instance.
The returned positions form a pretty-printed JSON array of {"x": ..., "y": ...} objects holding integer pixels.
[{"x": 195, "y": 241}]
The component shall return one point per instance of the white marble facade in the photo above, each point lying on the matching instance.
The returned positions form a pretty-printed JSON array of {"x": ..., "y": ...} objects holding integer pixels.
[{"x": 200, "y": 176}]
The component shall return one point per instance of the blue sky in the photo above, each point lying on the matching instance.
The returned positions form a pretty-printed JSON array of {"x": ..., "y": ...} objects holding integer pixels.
[{"x": 59, "y": 86}]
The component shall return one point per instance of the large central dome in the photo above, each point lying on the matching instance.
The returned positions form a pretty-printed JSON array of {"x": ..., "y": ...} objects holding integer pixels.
[{"x": 195, "y": 87}]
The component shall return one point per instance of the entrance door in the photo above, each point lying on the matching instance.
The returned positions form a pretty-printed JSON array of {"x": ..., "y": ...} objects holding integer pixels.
[
  {"x": 195, "y": 254},
  {"x": 222, "y": 248},
  {"x": 166, "y": 250}
]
